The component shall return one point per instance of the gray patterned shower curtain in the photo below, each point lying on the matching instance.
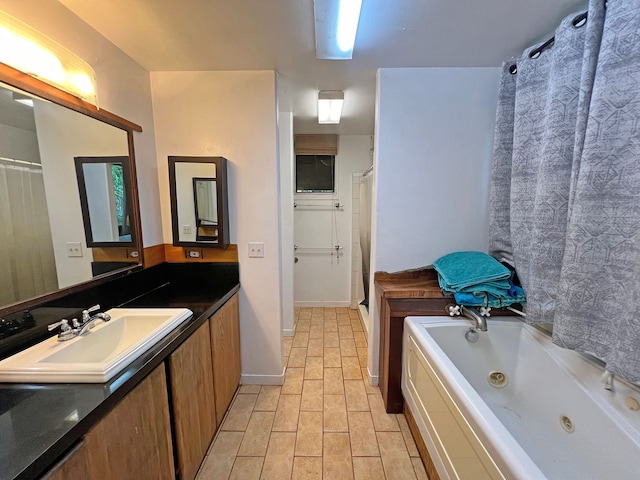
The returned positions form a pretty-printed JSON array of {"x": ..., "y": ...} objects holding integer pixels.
[{"x": 565, "y": 196}]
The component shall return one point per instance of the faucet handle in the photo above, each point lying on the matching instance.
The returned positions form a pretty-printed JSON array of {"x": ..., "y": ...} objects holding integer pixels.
[
  {"x": 63, "y": 324},
  {"x": 85, "y": 313},
  {"x": 453, "y": 310}
]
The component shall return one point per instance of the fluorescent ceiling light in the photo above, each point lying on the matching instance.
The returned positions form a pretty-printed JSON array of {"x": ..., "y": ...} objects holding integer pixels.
[
  {"x": 24, "y": 99},
  {"x": 330, "y": 106},
  {"x": 336, "y": 24}
]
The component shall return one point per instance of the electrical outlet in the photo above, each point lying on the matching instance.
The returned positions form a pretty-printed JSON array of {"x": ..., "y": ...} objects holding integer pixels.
[
  {"x": 74, "y": 249},
  {"x": 186, "y": 229},
  {"x": 194, "y": 253},
  {"x": 256, "y": 249}
]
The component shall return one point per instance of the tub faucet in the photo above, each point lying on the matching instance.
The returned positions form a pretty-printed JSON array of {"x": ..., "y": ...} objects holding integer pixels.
[{"x": 475, "y": 316}]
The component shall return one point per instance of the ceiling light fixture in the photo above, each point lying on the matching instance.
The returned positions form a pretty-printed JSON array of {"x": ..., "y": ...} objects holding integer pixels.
[
  {"x": 330, "y": 106},
  {"x": 336, "y": 26},
  {"x": 26, "y": 49}
]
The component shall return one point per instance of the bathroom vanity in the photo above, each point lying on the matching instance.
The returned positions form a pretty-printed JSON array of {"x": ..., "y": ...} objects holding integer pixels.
[{"x": 165, "y": 405}]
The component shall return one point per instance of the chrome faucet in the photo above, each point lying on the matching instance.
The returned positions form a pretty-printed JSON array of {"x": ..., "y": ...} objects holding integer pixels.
[
  {"x": 89, "y": 321},
  {"x": 475, "y": 316},
  {"x": 67, "y": 332}
]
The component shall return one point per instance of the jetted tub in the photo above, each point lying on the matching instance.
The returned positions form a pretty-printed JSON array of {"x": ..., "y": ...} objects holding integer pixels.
[{"x": 515, "y": 406}]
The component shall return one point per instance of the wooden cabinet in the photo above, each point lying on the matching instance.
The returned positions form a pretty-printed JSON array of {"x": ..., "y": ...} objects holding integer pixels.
[
  {"x": 190, "y": 370},
  {"x": 132, "y": 441},
  {"x": 225, "y": 348}
]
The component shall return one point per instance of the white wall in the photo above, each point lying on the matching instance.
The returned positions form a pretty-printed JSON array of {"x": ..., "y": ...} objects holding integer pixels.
[
  {"x": 123, "y": 89},
  {"x": 323, "y": 279},
  {"x": 286, "y": 157},
  {"x": 233, "y": 114},
  {"x": 434, "y": 134}
]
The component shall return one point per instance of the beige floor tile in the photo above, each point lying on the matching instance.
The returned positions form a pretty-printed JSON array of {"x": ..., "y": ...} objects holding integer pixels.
[
  {"x": 368, "y": 468},
  {"x": 335, "y": 414},
  {"x": 317, "y": 311},
  {"x": 317, "y": 321},
  {"x": 332, "y": 357},
  {"x": 336, "y": 461},
  {"x": 247, "y": 468},
  {"x": 351, "y": 369},
  {"x": 305, "y": 312},
  {"x": 293, "y": 381},
  {"x": 316, "y": 347},
  {"x": 287, "y": 342},
  {"x": 333, "y": 381},
  {"x": 249, "y": 389},
  {"x": 371, "y": 389},
  {"x": 356, "y": 396},
  {"x": 331, "y": 339},
  {"x": 364, "y": 442},
  {"x": 316, "y": 331},
  {"x": 300, "y": 339},
  {"x": 356, "y": 325},
  {"x": 363, "y": 356},
  {"x": 342, "y": 310},
  {"x": 395, "y": 458},
  {"x": 278, "y": 463},
  {"x": 348, "y": 347},
  {"x": 314, "y": 368},
  {"x": 418, "y": 468},
  {"x": 344, "y": 319},
  {"x": 359, "y": 339},
  {"x": 303, "y": 325},
  {"x": 312, "y": 392},
  {"x": 345, "y": 331},
  {"x": 307, "y": 468},
  {"x": 256, "y": 439},
  {"x": 330, "y": 326},
  {"x": 406, "y": 434},
  {"x": 286, "y": 418},
  {"x": 238, "y": 416},
  {"x": 309, "y": 438},
  {"x": 221, "y": 457},
  {"x": 268, "y": 398},
  {"x": 297, "y": 357},
  {"x": 382, "y": 421}
]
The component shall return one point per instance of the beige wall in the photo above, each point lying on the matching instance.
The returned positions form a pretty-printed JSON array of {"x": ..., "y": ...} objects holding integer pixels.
[{"x": 233, "y": 114}]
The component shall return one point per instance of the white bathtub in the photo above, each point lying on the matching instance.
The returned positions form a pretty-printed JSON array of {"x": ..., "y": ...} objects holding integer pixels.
[{"x": 553, "y": 418}]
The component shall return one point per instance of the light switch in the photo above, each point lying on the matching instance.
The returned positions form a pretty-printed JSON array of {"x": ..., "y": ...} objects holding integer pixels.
[
  {"x": 74, "y": 249},
  {"x": 256, "y": 249}
]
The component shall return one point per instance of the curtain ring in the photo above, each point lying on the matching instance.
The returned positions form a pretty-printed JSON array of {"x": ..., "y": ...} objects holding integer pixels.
[
  {"x": 513, "y": 69},
  {"x": 580, "y": 20}
]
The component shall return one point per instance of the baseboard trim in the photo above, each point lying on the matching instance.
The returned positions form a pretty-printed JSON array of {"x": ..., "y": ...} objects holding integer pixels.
[
  {"x": 364, "y": 319},
  {"x": 289, "y": 332},
  {"x": 373, "y": 379},
  {"x": 323, "y": 304},
  {"x": 248, "y": 379}
]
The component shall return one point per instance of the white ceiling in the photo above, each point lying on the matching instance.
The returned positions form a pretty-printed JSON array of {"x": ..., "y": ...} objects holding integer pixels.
[{"x": 172, "y": 35}]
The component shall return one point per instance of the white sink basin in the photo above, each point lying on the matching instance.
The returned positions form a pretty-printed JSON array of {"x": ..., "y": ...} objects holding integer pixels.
[{"x": 98, "y": 355}]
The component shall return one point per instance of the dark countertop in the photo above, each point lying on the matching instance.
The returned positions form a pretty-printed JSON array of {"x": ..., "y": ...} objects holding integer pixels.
[{"x": 40, "y": 422}]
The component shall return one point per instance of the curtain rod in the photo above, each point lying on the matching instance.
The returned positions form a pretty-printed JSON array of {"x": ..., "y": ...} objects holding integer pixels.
[
  {"x": 21, "y": 162},
  {"x": 577, "y": 22}
]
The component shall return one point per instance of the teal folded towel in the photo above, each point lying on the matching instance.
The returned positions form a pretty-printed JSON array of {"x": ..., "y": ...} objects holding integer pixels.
[
  {"x": 459, "y": 271},
  {"x": 483, "y": 299}
]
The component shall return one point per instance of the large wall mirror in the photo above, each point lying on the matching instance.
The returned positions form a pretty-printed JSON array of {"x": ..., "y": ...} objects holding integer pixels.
[
  {"x": 199, "y": 213},
  {"x": 49, "y": 231}
]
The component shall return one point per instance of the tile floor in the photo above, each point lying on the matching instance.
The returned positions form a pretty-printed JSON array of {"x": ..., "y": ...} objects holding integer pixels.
[{"x": 325, "y": 422}]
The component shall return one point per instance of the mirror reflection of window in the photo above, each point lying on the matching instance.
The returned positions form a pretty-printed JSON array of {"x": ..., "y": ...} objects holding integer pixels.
[{"x": 206, "y": 204}]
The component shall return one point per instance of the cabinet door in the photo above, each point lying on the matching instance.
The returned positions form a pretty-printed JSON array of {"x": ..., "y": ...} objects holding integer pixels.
[
  {"x": 72, "y": 467},
  {"x": 134, "y": 439},
  {"x": 225, "y": 349},
  {"x": 193, "y": 401}
]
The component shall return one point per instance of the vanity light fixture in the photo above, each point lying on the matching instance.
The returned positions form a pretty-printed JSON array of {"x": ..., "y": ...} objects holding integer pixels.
[
  {"x": 330, "y": 106},
  {"x": 23, "y": 99},
  {"x": 26, "y": 49},
  {"x": 336, "y": 23}
]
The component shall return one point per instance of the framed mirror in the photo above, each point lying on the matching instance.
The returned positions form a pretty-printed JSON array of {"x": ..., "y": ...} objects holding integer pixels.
[
  {"x": 199, "y": 212},
  {"x": 45, "y": 251},
  {"x": 105, "y": 199}
]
